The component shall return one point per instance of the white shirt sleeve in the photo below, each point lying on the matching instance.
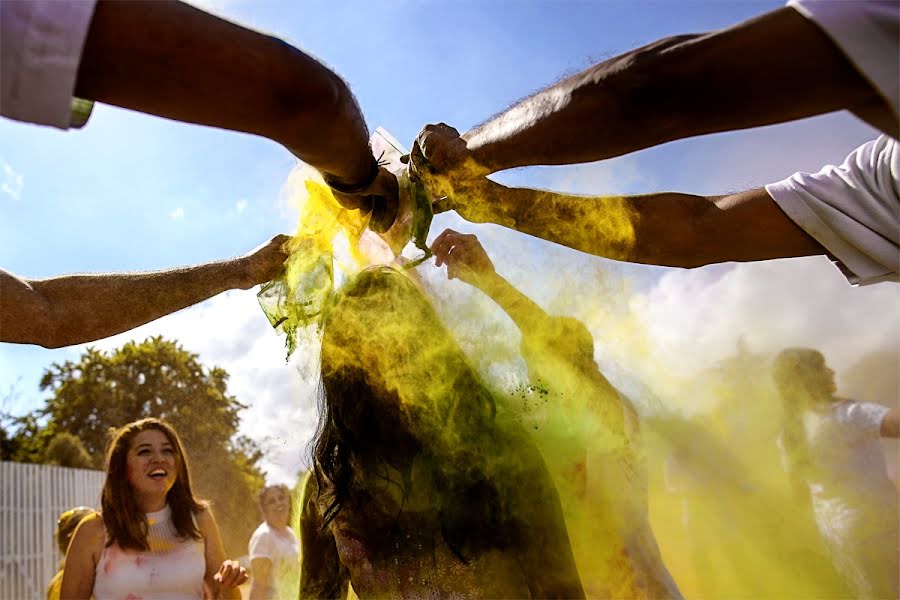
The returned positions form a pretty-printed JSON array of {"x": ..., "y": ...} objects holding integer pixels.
[
  {"x": 865, "y": 417},
  {"x": 40, "y": 49},
  {"x": 852, "y": 210},
  {"x": 260, "y": 545},
  {"x": 868, "y": 33}
]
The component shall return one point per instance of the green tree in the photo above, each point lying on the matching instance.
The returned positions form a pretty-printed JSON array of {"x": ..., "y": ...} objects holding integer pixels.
[
  {"x": 66, "y": 450},
  {"x": 158, "y": 378}
]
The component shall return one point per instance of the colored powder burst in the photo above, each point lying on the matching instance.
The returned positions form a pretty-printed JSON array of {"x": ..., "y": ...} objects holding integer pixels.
[
  {"x": 687, "y": 474},
  {"x": 297, "y": 299}
]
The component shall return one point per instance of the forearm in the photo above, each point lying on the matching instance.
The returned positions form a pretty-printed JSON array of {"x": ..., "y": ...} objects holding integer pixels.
[
  {"x": 527, "y": 315},
  {"x": 84, "y": 308},
  {"x": 604, "y": 226},
  {"x": 173, "y": 60},
  {"x": 666, "y": 229},
  {"x": 740, "y": 77}
]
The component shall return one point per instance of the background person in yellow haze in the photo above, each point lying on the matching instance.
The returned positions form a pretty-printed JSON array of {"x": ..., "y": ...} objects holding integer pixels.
[
  {"x": 73, "y": 309},
  {"x": 831, "y": 451},
  {"x": 176, "y": 61},
  {"x": 65, "y": 527},
  {"x": 418, "y": 488},
  {"x": 810, "y": 58},
  {"x": 274, "y": 548},
  {"x": 153, "y": 538},
  {"x": 603, "y": 482}
]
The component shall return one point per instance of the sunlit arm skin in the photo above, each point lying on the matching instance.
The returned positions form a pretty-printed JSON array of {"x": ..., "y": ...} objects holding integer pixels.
[
  {"x": 740, "y": 77},
  {"x": 259, "y": 584},
  {"x": 221, "y": 577},
  {"x": 82, "y": 557},
  {"x": 467, "y": 261},
  {"x": 73, "y": 309},
  {"x": 176, "y": 61},
  {"x": 668, "y": 229},
  {"x": 890, "y": 425}
]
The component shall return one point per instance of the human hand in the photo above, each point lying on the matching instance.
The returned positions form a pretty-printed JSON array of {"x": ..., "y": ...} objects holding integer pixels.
[
  {"x": 464, "y": 256},
  {"x": 381, "y": 198},
  {"x": 231, "y": 574},
  {"x": 265, "y": 262},
  {"x": 444, "y": 163},
  {"x": 447, "y": 152}
]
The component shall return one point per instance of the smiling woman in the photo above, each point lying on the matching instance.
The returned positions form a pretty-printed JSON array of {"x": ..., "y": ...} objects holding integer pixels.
[
  {"x": 153, "y": 538},
  {"x": 274, "y": 547}
]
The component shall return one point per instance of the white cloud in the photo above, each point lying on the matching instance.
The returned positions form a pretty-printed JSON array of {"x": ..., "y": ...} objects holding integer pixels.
[
  {"x": 12, "y": 181},
  {"x": 694, "y": 318},
  {"x": 177, "y": 214},
  {"x": 240, "y": 206}
]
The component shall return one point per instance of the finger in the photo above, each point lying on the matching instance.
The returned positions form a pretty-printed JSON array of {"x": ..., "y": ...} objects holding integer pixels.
[{"x": 441, "y": 245}]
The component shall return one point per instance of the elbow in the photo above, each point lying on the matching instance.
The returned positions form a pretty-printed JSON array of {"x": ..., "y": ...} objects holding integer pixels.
[{"x": 306, "y": 94}]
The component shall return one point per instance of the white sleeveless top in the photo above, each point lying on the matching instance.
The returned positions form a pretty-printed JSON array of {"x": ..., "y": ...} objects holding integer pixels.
[{"x": 172, "y": 569}]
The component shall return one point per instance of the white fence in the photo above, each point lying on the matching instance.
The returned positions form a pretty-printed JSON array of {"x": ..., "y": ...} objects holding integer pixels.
[{"x": 31, "y": 499}]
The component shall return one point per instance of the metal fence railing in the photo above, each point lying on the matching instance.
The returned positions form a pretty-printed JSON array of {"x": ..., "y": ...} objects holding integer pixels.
[{"x": 31, "y": 499}]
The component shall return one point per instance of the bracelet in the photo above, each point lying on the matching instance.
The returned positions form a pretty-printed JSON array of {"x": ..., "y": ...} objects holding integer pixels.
[{"x": 351, "y": 188}]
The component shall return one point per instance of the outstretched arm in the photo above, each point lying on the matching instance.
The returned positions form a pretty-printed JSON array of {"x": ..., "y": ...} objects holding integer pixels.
[
  {"x": 73, "y": 309},
  {"x": 467, "y": 261},
  {"x": 739, "y": 77},
  {"x": 667, "y": 229},
  {"x": 564, "y": 345},
  {"x": 176, "y": 61}
]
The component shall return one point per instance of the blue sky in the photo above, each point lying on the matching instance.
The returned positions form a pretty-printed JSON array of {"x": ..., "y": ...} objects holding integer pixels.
[{"x": 133, "y": 192}]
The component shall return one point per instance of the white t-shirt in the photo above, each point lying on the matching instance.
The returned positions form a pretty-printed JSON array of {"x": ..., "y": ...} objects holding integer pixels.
[
  {"x": 854, "y": 502},
  {"x": 40, "y": 49},
  {"x": 843, "y": 441},
  {"x": 282, "y": 548},
  {"x": 852, "y": 210},
  {"x": 867, "y": 33}
]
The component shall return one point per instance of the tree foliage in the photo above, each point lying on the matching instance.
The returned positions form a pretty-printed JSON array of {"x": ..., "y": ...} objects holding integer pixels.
[
  {"x": 66, "y": 450},
  {"x": 156, "y": 378}
]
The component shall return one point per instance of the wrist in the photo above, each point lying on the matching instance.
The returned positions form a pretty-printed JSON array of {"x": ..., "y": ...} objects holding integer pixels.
[{"x": 357, "y": 182}]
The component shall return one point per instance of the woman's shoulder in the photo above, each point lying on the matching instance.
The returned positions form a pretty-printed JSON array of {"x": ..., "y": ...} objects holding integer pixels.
[
  {"x": 203, "y": 516},
  {"x": 91, "y": 531}
]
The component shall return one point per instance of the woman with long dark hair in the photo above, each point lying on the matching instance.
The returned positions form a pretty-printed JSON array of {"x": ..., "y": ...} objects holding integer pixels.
[
  {"x": 838, "y": 470},
  {"x": 153, "y": 538},
  {"x": 418, "y": 487}
]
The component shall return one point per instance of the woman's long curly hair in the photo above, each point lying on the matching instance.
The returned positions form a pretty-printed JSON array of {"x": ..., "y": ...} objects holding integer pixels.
[
  {"x": 396, "y": 385},
  {"x": 126, "y": 524}
]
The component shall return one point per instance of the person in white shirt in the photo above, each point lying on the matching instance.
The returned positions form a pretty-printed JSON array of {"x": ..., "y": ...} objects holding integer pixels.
[
  {"x": 832, "y": 454},
  {"x": 274, "y": 548},
  {"x": 809, "y": 58}
]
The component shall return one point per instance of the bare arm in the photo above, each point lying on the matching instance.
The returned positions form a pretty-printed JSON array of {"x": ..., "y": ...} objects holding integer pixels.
[
  {"x": 81, "y": 559},
  {"x": 667, "y": 229},
  {"x": 221, "y": 576},
  {"x": 890, "y": 425},
  {"x": 739, "y": 77},
  {"x": 259, "y": 583},
  {"x": 467, "y": 261},
  {"x": 566, "y": 342},
  {"x": 176, "y": 61},
  {"x": 73, "y": 309}
]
